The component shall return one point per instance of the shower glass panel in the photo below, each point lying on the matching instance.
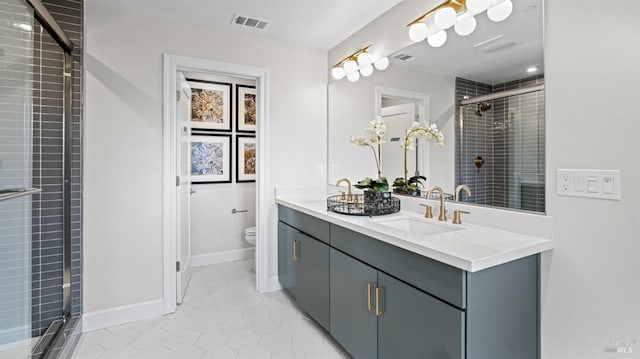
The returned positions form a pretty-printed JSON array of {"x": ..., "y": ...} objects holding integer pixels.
[
  {"x": 524, "y": 124},
  {"x": 508, "y": 134},
  {"x": 16, "y": 114},
  {"x": 35, "y": 102}
]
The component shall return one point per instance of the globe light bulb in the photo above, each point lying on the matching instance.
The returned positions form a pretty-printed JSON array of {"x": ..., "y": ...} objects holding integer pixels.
[
  {"x": 382, "y": 64},
  {"x": 354, "y": 76},
  {"x": 438, "y": 39},
  {"x": 365, "y": 59},
  {"x": 366, "y": 71},
  {"x": 445, "y": 17},
  {"x": 501, "y": 11},
  {"x": 465, "y": 25},
  {"x": 418, "y": 32},
  {"x": 477, "y": 6},
  {"x": 337, "y": 72},
  {"x": 350, "y": 66}
]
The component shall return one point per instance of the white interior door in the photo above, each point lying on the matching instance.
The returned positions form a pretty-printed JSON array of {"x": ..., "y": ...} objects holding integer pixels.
[
  {"x": 397, "y": 118},
  {"x": 183, "y": 188}
]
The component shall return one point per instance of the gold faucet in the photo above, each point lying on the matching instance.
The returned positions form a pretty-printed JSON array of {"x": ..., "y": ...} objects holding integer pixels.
[
  {"x": 443, "y": 214},
  {"x": 464, "y": 187},
  {"x": 457, "y": 219},
  {"x": 348, "y": 189}
]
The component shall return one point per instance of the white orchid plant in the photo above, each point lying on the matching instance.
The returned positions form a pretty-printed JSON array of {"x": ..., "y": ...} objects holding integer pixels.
[
  {"x": 375, "y": 138},
  {"x": 419, "y": 130}
]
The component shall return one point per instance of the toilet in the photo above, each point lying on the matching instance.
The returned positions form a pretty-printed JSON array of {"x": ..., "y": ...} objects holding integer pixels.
[{"x": 250, "y": 237}]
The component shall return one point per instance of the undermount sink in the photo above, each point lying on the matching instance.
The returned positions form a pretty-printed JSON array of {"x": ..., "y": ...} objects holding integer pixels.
[{"x": 416, "y": 226}]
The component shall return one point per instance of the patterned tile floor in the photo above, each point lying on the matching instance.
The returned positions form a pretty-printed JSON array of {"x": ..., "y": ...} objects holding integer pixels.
[{"x": 222, "y": 317}]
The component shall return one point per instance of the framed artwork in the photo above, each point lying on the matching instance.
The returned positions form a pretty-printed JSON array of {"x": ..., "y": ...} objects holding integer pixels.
[
  {"x": 210, "y": 105},
  {"x": 211, "y": 159},
  {"x": 245, "y": 108},
  {"x": 246, "y": 158}
]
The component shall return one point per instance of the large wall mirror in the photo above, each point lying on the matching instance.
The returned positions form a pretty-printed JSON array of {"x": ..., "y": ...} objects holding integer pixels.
[{"x": 484, "y": 91}]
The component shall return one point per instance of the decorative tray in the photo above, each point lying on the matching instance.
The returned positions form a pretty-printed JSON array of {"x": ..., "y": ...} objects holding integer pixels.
[{"x": 367, "y": 204}]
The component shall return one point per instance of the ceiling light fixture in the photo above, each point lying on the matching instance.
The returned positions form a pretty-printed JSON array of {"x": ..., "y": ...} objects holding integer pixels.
[
  {"x": 457, "y": 13},
  {"x": 359, "y": 63}
]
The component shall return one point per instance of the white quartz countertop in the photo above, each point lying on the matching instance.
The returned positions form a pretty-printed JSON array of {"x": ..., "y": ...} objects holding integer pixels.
[{"x": 469, "y": 247}]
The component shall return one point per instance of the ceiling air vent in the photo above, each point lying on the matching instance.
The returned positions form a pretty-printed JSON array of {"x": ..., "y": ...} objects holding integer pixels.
[
  {"x": 250, "y": 22},
  {"x": 404, "y": 57},
  {"x": 494, "y": 44}
]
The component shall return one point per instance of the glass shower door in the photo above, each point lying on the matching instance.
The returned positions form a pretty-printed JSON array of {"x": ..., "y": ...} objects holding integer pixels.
[{"x": 16, "y": 61}]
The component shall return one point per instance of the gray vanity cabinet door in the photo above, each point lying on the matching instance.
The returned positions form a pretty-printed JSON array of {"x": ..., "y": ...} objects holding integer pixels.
[
  {"x": 415, "y": 325},
  {"x": 286, "y": 270},
  {"x": 353, "y": 325},
  {"x": 312, "y": 278}
]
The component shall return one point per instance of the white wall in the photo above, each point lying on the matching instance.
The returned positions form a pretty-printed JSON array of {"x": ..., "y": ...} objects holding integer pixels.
[
  {"x": 123, "y": 139},
  {"x": 590, "y": 286},
  {"x": 214, "y": 229},
  {"x": 352, "y": 106}
]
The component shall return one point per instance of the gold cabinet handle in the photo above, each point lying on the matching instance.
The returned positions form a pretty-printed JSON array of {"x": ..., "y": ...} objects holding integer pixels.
[
  {"x": 378, "y": 311},
  {"x": 369, "y": 290},
  {"x": 295, "y": 250}
]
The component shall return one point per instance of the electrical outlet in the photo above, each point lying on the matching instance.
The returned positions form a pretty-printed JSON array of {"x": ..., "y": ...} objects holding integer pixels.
[
  {"x": 318, "y": 170},
  {"x": 564, "y": 179},
  {"x": 589, "y": 183}
]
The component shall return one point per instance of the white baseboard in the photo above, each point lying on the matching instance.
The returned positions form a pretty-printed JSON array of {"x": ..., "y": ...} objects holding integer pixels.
[
  {"x": 222, "y": 257},
  {"x": 121, "y": 315},
  {"x": 274, "y": 284}
]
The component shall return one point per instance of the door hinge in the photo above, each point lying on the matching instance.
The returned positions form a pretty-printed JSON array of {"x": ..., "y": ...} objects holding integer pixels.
[
  {"x": 177, "y": 181},
  {"x": 177, "y": 266},
  {"x": 177, "y": 95}
]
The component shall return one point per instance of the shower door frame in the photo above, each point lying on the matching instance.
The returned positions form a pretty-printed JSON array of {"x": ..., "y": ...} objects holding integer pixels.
[{"x": 51, "y": 25}]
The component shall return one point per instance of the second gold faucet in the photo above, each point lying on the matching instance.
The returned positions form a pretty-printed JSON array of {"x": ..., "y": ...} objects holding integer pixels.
[
  {"x": 342, "y": 197},
  {"x": 443, "y": 214}
]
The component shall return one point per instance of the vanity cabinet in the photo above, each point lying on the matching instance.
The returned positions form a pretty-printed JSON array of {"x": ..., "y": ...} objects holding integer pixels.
[
  {"x": 353, "y": 317},
  {"x": 303, "y": 265},
  {"x": 286, "y": 273},
  {"x": 311, "y": 265},
  {"x": 374, "y": 315},
  {"x": 381, "y": 301}
]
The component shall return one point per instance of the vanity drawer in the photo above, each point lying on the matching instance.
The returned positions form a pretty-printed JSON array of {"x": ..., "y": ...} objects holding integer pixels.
[
  {"x": 438, "y": 279},
  {"x": 309, "y": 225}
]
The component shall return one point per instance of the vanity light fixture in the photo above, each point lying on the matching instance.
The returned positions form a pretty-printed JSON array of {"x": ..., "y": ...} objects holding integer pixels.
[
  {"x": 459, "y": 14},
  {"x": 357, "y": 64}
]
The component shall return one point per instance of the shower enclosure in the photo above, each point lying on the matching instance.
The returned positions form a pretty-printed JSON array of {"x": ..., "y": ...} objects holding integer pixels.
[
  {"x": 39, "y": 183},
  {"x": 500, "y": 150}
]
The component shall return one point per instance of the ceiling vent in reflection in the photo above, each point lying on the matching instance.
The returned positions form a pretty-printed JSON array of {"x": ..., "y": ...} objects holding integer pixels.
[
  {"x": 494, "y": 44},
  {"x": 404, "y": 57},
  {"x": 251, "y": 22}
]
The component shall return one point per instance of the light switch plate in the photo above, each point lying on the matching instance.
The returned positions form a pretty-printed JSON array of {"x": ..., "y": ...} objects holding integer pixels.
[{"x": 602, "y": 184}]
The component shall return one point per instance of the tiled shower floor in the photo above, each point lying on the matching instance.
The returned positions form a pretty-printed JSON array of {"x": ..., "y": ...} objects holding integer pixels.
[{"x": 222, "y": 317}]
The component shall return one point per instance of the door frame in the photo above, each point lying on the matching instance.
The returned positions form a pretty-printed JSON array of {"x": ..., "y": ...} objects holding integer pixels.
[
  {"x": 424, "y": 110},
  {"x": 171, "y": 65}
]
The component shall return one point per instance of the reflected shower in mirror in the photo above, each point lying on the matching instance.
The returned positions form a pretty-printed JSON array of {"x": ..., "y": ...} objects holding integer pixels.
[{"x": 493, "y": 144}]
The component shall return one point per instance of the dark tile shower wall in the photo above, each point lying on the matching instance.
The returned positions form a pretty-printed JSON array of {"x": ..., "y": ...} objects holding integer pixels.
[
  {"x": 47, "y": 222},
  {"x": 473, "y": 144},
  {"x": 493, "y": 183}
]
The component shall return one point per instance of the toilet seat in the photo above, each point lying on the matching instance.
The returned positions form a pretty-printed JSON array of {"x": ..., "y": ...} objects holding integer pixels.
[
  {"x": 250, "y": 235},
  {"x": 251, "y": 231}
]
